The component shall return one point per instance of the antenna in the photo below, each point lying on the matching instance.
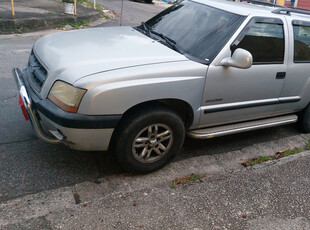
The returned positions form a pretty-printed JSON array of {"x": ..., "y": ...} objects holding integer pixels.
[{"x": 120, "y": 22}]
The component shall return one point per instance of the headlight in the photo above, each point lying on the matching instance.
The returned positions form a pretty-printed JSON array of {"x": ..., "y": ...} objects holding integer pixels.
[{"x": 66, "y": 96}]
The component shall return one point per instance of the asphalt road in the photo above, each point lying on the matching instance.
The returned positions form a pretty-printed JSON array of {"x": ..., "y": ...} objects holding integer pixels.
[
  {"x": 28, "y": 165},
  {"x": 134, "y": 12}
]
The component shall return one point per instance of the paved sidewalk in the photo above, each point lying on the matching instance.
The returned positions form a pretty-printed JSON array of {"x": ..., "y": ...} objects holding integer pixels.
[{"x": 32, "y": 15}]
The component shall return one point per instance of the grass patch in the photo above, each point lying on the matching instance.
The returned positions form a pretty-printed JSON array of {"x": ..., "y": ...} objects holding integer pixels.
[
  {"x": 257, "y": 160},
  {"x": 187, "y": 179},
  {"x": 79, "y": 24},
  {"x": 264, "y": 158},
  {"x": 51, "y": 13},
  {"x": 250, "y": 162},
  {"x": 292, "y": 152},
  {"x": 89, "y": 4},
  {"x": 282, "y": 153},
  {"x": 195, "y": 177},
  {"x": 308, "y": 145},
  {"x": 75, "y": 25},
  {"x": 21, "y": 30}
]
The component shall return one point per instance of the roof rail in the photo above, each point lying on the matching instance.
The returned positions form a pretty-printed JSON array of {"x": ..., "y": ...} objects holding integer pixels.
[
  {"x": 263, "y": 3},
  {"x": 288, "y": 11}
]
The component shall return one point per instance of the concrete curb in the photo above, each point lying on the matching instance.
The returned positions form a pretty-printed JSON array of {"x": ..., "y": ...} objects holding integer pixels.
[
  {"x": 9, "y": 26},
  {"x": 276, "y": 162},
  {"x": 47, "y": 31},
  {"x": 279, "y": 161}
]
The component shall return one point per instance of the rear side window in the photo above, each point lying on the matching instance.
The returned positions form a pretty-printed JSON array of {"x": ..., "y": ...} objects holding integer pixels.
[
  {"x": 264, "y": 40},
  {"x": 301, "y": 43}
]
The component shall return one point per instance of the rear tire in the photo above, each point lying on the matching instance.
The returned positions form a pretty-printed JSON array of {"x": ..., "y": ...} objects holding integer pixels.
[
  {"x": 304, "y": 120},
  {"x": 148, "y": 139}
]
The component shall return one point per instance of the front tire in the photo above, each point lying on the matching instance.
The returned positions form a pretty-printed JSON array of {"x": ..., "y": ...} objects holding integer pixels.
[{"x": 148, "y": 139}]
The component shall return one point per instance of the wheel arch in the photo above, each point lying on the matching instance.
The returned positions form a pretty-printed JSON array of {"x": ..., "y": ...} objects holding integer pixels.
[{"x": 182, "y": 108}]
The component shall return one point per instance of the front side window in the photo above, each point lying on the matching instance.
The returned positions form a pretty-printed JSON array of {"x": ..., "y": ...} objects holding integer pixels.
[
  {"x": 195, "y": 29},
  {"x": 264, "y": 40},
  {"x": 301, "y": 43}
]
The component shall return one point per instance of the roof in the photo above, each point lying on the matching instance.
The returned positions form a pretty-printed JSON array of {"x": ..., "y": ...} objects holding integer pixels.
[
  {"x": 240, "y": 8},
  {"x": 246, "y": 9}
]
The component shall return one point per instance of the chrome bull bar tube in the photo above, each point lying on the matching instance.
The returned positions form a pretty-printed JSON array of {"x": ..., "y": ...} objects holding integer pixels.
[{"x": 36, "y": 125}]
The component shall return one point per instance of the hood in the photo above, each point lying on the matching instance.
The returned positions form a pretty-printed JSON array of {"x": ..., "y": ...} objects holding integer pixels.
[{"x": 75, "y": 54}]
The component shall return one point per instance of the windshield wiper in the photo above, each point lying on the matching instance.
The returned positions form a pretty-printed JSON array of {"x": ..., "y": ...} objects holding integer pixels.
[
  {"x": 170, "y": 42},
  {"x": 146, "y": 28}
]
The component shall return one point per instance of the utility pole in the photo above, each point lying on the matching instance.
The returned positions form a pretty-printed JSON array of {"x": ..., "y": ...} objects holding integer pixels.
[
  {"x": 74, "y": 7},
  {"x": 12, "y": 7},
  {"x": 120, "y": 21}
]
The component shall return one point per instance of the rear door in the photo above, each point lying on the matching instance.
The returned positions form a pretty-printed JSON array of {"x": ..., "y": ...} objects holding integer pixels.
[
  {"x": 233, "y": 94},
  {"x": 296, "y": 89}
]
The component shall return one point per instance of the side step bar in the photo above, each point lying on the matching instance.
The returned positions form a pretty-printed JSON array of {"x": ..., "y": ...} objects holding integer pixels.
[{"x": 241, "y": 127}]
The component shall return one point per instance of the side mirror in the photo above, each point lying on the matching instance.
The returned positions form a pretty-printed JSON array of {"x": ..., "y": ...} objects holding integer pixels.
[{"x": 241, "y": 58}]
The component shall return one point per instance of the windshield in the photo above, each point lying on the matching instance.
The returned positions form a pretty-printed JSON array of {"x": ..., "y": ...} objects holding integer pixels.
[{"x": 198, "y": 31}]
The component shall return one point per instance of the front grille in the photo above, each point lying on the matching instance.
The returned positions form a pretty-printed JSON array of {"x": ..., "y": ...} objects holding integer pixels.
[{"x": 37, "y": 72}]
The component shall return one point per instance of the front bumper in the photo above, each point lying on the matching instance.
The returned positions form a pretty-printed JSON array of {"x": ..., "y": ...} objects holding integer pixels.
[
  {"x": 29, "y": 109},
  {"x": 53, "y": 125}
]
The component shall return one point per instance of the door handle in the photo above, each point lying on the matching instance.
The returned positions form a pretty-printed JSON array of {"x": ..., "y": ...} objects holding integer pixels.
[{"x": 280, "y": 75}]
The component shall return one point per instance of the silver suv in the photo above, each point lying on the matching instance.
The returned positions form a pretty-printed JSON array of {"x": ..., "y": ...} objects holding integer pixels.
[{"x": 204, "y": 68}]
